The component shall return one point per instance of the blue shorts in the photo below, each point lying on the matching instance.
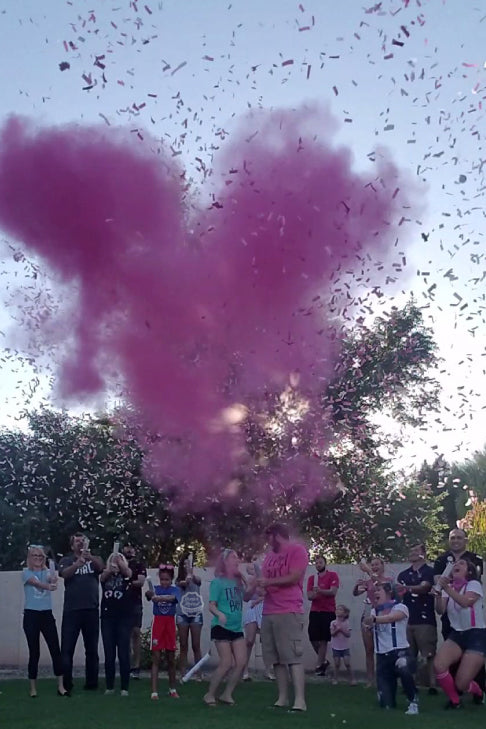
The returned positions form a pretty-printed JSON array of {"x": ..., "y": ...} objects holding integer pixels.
[
  {"x": 193, "y": 620},
  {"x": 472, "y": 640},
  {"x": 341, "y": 653}
]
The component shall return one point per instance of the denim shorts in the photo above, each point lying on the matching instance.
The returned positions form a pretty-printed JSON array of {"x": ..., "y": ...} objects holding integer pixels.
[
  {"x": 193, "y": 620},
  {"x": 472, "y": 640},
  {"x": 341, "y": 652}
]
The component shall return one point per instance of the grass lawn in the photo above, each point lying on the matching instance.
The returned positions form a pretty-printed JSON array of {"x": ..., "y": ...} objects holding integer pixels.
[{"x": 330, "y": 707}]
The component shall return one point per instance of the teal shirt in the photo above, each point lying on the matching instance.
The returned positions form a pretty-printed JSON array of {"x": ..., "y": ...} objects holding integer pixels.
[{"x": 228, "y": 596}]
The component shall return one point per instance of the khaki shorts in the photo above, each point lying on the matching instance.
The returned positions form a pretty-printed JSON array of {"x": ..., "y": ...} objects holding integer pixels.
[
  {"x": 282, "y": 639},
  {"x": 422, "y": 639}
]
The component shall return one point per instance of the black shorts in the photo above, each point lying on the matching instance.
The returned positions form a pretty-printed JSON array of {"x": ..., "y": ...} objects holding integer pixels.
[
  {"x": 473, "y": 640},
  {"x": 320, "y": 626},
  {"x": 137, "y": 616},
  {"x": 220, "y": 633}
]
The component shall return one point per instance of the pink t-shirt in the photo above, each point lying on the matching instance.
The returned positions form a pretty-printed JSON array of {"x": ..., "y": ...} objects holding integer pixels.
[
  {"x": 340, "y": 642},
  {"x": 285, "y": 598},
  {"x": 325, "y": 580}
]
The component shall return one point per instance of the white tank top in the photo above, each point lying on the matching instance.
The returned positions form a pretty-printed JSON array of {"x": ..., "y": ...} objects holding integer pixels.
[{"x": 462, "y": 618}]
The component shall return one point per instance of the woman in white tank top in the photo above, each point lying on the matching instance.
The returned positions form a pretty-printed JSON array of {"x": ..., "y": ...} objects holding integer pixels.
[{"x": 462, "y": 599}]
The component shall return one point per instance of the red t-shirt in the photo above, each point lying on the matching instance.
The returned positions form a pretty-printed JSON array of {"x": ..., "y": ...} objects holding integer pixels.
[{"x": 325, "y": 580}]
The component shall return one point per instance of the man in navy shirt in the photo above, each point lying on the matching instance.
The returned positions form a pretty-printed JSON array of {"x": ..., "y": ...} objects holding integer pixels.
[{"x": 417, "y": 583}]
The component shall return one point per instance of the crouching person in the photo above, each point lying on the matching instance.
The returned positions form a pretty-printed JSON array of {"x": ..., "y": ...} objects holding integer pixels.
[{"x": 388, "y": 622}]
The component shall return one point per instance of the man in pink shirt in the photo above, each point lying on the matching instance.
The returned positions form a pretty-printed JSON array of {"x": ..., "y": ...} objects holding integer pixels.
[
  {"x": 322, "y": 589},
  {"x": 282, "y": 629}
]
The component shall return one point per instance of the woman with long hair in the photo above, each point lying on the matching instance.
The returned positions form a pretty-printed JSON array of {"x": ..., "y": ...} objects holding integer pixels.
[
  {"x": 188, "y": 625},
  {"x": 38, "y": 584},
  {"x": 375, "y": 576},
  {"x": 461, "y": 598},
  {"x": 226, "y": 595}
]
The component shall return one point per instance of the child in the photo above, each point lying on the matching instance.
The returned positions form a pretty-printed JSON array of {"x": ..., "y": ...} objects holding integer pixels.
[
  {"x": 164, "y": 597},
  {"x": 340, "y": 634},
  {"x": 226, "y": 604},
  {"x": 388, "y": 621}
]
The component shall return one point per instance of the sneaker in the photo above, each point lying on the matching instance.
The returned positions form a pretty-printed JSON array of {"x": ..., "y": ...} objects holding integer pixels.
[
  {"x": 412, "y": 709},
  {"x": 321, "y": 670},
  {"x": 173, "y": 694},
  {"x": 452, "y": 706},
  {"x": 124, "y": 693},
  {"x": 154, "y": 696},
  {"x": 109, "y": 692},
  {"x": 135, "y": 674},
  {"x": 270, "y": 676},
  {"x": 246, "y": 677}
]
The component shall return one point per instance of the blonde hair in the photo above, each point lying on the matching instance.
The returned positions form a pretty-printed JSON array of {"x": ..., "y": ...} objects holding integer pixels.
[
  {"x": 112, "y": 556},
  {"x": 220, "y": 566},
  {"x": 30, "y": 561}
]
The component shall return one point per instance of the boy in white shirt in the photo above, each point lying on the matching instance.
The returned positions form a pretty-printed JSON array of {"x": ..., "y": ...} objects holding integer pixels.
[{"x": 389, "y": 620}]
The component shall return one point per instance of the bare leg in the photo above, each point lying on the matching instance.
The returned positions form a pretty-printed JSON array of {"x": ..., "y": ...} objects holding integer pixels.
[
  {"x": 468, "y": 670},
  {"x": 238, "y": 649},
  {"x": 349, "y": 670},
  {"x": 336, "y": 664},
  {"x": 195, "y": 631},
  {"x": 171, "y": 669},
  {"x": 225, "y": 661},
  {"x": 298, "y": 679},
  {"x": 155, "y": 670},
  {"x": 370, "y": 658},
  {"x": 282, "y": 676},
  {"x": 250, "y": 635},
  {"x": 183, "y": 646}
]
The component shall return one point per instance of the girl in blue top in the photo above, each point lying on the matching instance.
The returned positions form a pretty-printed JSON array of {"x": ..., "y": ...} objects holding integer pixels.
[
  {"x": 226, "y": 594},
  {"x": 38, "y": 618}
]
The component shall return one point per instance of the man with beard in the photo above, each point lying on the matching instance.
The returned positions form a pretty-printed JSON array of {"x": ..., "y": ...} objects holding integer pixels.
[
  {"x": 283, "y": 572},
  {"x": 321, "y": 590}
]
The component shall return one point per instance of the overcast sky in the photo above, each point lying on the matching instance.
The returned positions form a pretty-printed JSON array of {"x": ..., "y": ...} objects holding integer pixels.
[{"x": 408, "y": 75}]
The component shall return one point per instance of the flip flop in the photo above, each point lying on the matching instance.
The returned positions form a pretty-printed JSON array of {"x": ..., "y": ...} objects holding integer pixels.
[
  {"x": 227, "y": 703},
  {"x": 296, "y": 710},
  {"x": 211, "y": 702}
]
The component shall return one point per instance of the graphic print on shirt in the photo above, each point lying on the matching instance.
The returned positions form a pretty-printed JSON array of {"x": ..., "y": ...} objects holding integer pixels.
[
  {"x": 234, "y": 598},
  {"x": 115, "y": 587}
]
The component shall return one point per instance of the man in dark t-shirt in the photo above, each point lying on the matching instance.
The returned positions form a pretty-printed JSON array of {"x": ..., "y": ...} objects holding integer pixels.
[
  {"x": 139, "y": 575},
  {"x": 416, "y": 583},
  {"x": 80, "y": 571}
]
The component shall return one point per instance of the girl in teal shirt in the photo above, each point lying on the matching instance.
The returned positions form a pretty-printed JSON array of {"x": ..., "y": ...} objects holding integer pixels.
[{"x": 226, "y": 595}]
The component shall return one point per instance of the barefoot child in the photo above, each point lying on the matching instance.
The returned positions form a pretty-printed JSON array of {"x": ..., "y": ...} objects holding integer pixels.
[
  {"x": 340, "y": 635},
  {"x": 164, "y": 598}
]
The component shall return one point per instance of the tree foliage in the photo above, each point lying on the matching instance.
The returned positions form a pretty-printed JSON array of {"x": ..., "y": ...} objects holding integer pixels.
[{"x": 68, "y": 473}]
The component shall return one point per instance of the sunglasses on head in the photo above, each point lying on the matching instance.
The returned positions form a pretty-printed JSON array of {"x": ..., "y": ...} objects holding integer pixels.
[{"x": 166, "y": 567}]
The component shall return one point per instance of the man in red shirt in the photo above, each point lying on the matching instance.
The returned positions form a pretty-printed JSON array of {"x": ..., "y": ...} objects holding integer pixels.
[{"x": 322, "y": 589}]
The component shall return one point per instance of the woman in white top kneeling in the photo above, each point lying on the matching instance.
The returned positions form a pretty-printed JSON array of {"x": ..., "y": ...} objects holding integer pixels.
[
  {"x": 388, "y": 621},
  {"x": 462, "y": 599}
]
